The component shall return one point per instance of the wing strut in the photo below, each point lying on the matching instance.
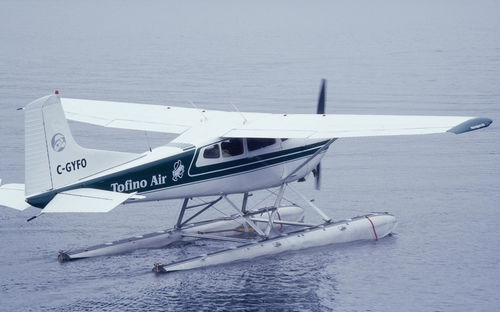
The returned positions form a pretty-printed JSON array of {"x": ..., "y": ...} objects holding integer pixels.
[{"x": 322, "y": 149}]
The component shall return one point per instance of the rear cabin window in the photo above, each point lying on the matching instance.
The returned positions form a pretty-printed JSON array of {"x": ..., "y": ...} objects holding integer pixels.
[
  {"x": 212, "y": 152},
  {"x": 232, "y": 147},
  {"x": 255, "y": 144}
]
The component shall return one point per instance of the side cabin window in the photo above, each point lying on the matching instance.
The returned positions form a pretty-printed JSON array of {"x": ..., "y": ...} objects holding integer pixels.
[
  {"x": 232, "y": 147},
  {"x": 255, "y": 144},
  {"x": 224, "y": 151},
  {"x": 212, "y": 152}
]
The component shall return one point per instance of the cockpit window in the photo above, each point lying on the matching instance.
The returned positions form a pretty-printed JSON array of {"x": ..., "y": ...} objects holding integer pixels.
[
  {"x": 212, "y": 152},
  {"x": 232, "y": 147},
  {"x": 255, "y": 144}
]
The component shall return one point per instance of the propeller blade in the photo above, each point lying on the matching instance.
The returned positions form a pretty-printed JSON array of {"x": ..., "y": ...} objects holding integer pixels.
[
  {"x": 322, "y": 98},
  {"x": 320, "y": 110},
  {"x": 317, "y": 177}
]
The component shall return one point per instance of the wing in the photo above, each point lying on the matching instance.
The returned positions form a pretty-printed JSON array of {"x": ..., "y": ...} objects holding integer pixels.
[
  {"x": 344, "y": 126},
  {"x": 133, "y": 116},
  {"x": 173, "y": 119}
]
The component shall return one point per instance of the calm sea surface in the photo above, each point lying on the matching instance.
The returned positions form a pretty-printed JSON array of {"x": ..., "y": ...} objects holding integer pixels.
[{"x": 380, "y": 57}]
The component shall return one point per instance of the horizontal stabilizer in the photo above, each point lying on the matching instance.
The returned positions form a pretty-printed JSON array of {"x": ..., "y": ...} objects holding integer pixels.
[
  {"x": 12, "y": 196},
  {"x": 87, "y": 200}
]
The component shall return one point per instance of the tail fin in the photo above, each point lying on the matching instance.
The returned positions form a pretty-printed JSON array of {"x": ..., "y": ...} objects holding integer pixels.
[{"x": 52, "y": 157}]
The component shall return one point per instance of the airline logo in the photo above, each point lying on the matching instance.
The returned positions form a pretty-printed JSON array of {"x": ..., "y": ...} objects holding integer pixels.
[
  {"x": 178, "y": 171},
  {"x": 58, "y": 142}
]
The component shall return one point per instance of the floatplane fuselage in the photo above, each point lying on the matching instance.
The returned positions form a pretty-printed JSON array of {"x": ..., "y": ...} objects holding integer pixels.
[{"x": 221, "y": 166}]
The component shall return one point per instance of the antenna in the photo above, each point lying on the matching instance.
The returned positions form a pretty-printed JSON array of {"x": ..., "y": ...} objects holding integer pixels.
[
  {"x": 201, "y": 111},
  {"x": 147, "y": 140},
  {"x": 242, "y": 116}
]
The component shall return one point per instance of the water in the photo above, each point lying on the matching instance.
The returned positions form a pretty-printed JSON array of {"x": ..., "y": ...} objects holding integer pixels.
[{"x": 380, "y": 57}]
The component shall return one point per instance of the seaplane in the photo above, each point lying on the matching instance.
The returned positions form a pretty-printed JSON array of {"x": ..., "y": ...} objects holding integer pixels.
[{"x": 220, "y": 155}]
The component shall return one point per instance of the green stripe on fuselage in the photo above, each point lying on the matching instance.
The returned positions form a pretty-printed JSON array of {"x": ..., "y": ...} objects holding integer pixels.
[{"x": 164, "y": 173}]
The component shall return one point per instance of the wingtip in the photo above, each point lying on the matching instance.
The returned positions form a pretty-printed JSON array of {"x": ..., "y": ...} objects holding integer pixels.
[{"x": 471, "y": 125}]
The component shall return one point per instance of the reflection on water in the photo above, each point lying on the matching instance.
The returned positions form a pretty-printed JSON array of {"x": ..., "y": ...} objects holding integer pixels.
[{"x": 293, "y": 281}]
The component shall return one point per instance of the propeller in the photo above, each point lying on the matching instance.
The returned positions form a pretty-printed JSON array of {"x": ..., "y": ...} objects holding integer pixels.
[{"x": 320, "y": 110}]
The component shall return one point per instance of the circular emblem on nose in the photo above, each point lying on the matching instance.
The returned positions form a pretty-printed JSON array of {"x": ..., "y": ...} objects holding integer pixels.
[{"x": 58, "y": 142}]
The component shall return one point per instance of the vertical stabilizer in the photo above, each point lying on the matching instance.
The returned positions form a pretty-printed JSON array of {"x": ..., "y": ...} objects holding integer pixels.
[{"x": 52, "y": 157}]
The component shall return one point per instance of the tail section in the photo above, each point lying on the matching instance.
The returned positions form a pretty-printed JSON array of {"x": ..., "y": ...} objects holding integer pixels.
[{"x": 53, "y": 159}]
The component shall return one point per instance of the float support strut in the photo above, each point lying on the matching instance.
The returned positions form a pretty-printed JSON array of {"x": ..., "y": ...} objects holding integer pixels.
[
  {"x": 181, "y": 213},
  {"x": 323, "y": 215}
]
